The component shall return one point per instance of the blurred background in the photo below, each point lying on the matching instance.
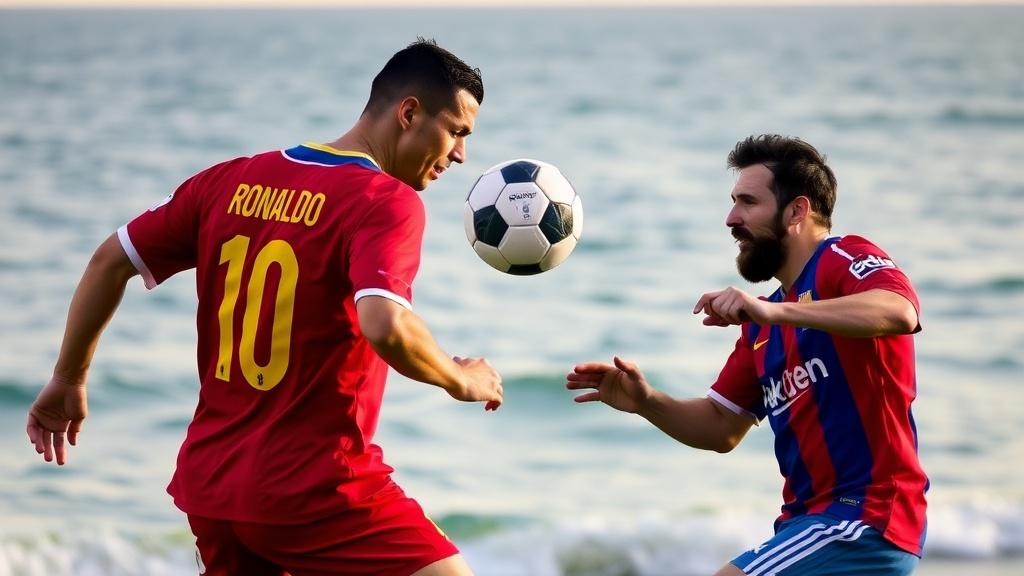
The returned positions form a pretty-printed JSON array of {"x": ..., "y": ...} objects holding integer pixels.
[{"x": 920, "y": 110}]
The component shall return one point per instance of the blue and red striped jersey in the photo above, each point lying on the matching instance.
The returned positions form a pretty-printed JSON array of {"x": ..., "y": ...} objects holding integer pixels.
[{"x": 845, "y": 436}]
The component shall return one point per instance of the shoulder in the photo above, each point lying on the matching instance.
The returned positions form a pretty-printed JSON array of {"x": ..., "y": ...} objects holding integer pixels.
[
  {"x": 225, "y": 169},
  {"x": 857, "y": 245},
  {"x": 388, "y": 199},
  {"x": 857, "y": 258},
  {"x": 850, "y": 249},
  {"x": 387, "y": 188},
  {"x": 244, "y": 161}
]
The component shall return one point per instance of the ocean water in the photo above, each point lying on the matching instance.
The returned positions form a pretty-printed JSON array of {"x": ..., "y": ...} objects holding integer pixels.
[{"x": 921, "y": 111}]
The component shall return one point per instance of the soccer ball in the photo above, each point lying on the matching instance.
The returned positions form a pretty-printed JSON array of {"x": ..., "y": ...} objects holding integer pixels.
[{"x": 523, "y": 217}]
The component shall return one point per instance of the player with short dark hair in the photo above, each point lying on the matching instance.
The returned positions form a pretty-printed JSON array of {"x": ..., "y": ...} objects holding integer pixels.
[
  {"x": 828, "y": 359},
  {"x": 304, "y": 259}
]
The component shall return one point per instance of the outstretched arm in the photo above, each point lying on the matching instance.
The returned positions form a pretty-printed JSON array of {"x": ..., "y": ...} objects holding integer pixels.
[
  {"x": 403, "y": 340},
  {"x": 697, "y": 422},
  {"x": 61, "y": 405},
  {"x": 868, "y": 314}
]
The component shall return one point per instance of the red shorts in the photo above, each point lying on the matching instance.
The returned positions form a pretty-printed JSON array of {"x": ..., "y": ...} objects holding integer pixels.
[{"x": 386, "y": 534}]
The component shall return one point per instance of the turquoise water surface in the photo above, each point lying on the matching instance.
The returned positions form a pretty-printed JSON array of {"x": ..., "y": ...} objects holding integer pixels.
[{"x": 921, "y": 111}]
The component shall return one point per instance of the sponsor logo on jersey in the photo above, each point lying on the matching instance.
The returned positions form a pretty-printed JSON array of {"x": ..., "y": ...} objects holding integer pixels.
[
  {"x": 849, "y": 501},
  {"x": 864, "y": 265},
  {"x": 780, "y": 394}
]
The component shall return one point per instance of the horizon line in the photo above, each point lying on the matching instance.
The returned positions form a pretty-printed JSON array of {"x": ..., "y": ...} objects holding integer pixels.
[{"x": 400, "y": 4}]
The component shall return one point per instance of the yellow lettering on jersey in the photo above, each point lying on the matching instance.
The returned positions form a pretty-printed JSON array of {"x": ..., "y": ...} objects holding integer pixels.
[
  {"x": 266, "y": 203},
  {"x": 284, "y": 209},
  {"x": 236, "y": 201},
  {"x": 275, "y": 212},
  {"x": 275, "y": 204},
  {"x": 252, "y": 199},
  {"x": 313, "y": 214},
  {"x": 301, "y": 206}
]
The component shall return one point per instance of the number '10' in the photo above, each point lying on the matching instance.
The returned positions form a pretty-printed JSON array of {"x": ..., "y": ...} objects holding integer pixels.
[{"x": 233, "y": 254}]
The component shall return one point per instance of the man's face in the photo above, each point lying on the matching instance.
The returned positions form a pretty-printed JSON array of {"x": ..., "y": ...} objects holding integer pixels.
[
  {"x": 755, "y": 223},
  {"x": 430, "y": 143}
]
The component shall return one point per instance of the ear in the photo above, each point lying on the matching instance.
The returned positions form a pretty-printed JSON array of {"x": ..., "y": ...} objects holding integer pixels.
[
  {"x": 799, "y": 210},
  {"x": 407, "y": 110}
]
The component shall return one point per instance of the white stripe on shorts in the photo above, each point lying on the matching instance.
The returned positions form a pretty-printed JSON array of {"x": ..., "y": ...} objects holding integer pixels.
[
  {"x": 852, "y": 533},
  {"x": 780, "y": 547},
  {"x": 800, "y": 546}
]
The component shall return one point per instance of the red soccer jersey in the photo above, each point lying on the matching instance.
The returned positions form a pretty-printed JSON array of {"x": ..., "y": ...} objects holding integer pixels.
[
  {"x": 845, "y": 437},
  {"x": 284, "y": 243}
]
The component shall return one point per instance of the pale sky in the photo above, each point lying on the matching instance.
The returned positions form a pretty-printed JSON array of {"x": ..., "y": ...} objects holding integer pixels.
[{"x": 458, "y": 3}]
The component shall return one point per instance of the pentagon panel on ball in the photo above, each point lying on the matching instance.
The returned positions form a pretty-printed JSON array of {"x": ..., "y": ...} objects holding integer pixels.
[{"x": 523, "y": 217}]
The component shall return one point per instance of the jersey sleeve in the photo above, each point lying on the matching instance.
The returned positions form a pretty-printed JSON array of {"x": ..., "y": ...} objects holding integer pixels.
[
  {"x": 737, "y": 387},
  {"x": 385, "y": 249},
  {"x": 857, "y": 265},
  {"x": 162, "y": 240}
]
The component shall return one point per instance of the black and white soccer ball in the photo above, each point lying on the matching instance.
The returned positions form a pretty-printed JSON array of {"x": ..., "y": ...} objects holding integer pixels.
[{"x": 523, "y": 217}]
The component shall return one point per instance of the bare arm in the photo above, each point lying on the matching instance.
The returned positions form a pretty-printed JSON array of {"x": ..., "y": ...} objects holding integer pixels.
[
  {"x": 866, "y": 314},
  {"x": 697, "y": 422},
  {"x": 61, "y": 405},
  {"x": 403, "y": 340}
]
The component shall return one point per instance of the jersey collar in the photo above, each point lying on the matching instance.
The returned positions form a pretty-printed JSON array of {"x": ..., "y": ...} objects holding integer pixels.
[{"x": 323, "y": 155}]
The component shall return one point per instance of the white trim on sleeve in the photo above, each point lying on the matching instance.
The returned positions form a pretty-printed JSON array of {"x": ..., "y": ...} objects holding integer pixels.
[
  {"x": 732, "y": 405},
  {"x": 133, "y": 255},
  {"x": 384, "y": 294}
]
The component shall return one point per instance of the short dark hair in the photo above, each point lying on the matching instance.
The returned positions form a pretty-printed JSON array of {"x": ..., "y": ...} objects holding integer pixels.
[
  {"x": 428, "y": 72},
  {"x": 798, "y": 169}
]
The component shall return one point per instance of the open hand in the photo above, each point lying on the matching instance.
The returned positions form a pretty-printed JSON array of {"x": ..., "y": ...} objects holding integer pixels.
[
  {"x": 620, "y": 385},
  {"x": 57, "y": 413}
]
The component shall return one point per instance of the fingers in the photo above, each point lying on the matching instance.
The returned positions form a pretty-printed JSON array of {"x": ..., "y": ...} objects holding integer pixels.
[
  {"x": 702, "y": 302},
  {"x": 73, "y": 429},
  {"x": 47, "y": 446},
  {"x": 588, "y": 397},
  {"x": 723, "y": 308},
  {"x": 35, "y": 434},
  {"x": 714, "y": 320},
  {"x": 50, "y": 443},
  {"x": 630, "y": 368},
  {"x": 59, "y": 449},
  {"x": 592, "y": 368},
  {"x": 32, "y": 429},
  {"x": 590, "y": 374},
  {"x": 710, "y": 303},
  {"x": 577, "y": 381}
]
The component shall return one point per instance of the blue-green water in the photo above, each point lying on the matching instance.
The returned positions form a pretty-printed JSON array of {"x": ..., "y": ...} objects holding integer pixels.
[{"x": 921, "y": 112}]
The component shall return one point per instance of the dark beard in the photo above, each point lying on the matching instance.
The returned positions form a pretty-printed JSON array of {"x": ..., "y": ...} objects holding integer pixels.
[{"x": 763, "y": 256}]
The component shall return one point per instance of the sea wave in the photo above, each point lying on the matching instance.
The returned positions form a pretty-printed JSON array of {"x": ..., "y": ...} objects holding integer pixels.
[{"x": 975, "y": 534}]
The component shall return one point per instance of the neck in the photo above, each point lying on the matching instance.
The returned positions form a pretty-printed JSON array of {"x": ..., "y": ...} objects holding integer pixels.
[
  {"x": 800, "y": 246},
  {"x": 364, "y": 137}
]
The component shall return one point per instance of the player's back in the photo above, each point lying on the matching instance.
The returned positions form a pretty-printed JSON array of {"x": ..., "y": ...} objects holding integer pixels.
[{"x": 290, "y": 390}]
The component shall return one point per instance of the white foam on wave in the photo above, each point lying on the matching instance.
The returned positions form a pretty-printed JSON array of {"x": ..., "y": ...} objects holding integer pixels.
[
  {"x": 102, "y": 552},
  {"x": 980, "y": 529},
  {"x": 655, "y": 545},
  {"x": 698, "y": 545}
]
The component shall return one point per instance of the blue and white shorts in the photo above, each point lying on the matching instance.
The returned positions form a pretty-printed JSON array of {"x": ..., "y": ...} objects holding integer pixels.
[{"x": 820, "y": 545}]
